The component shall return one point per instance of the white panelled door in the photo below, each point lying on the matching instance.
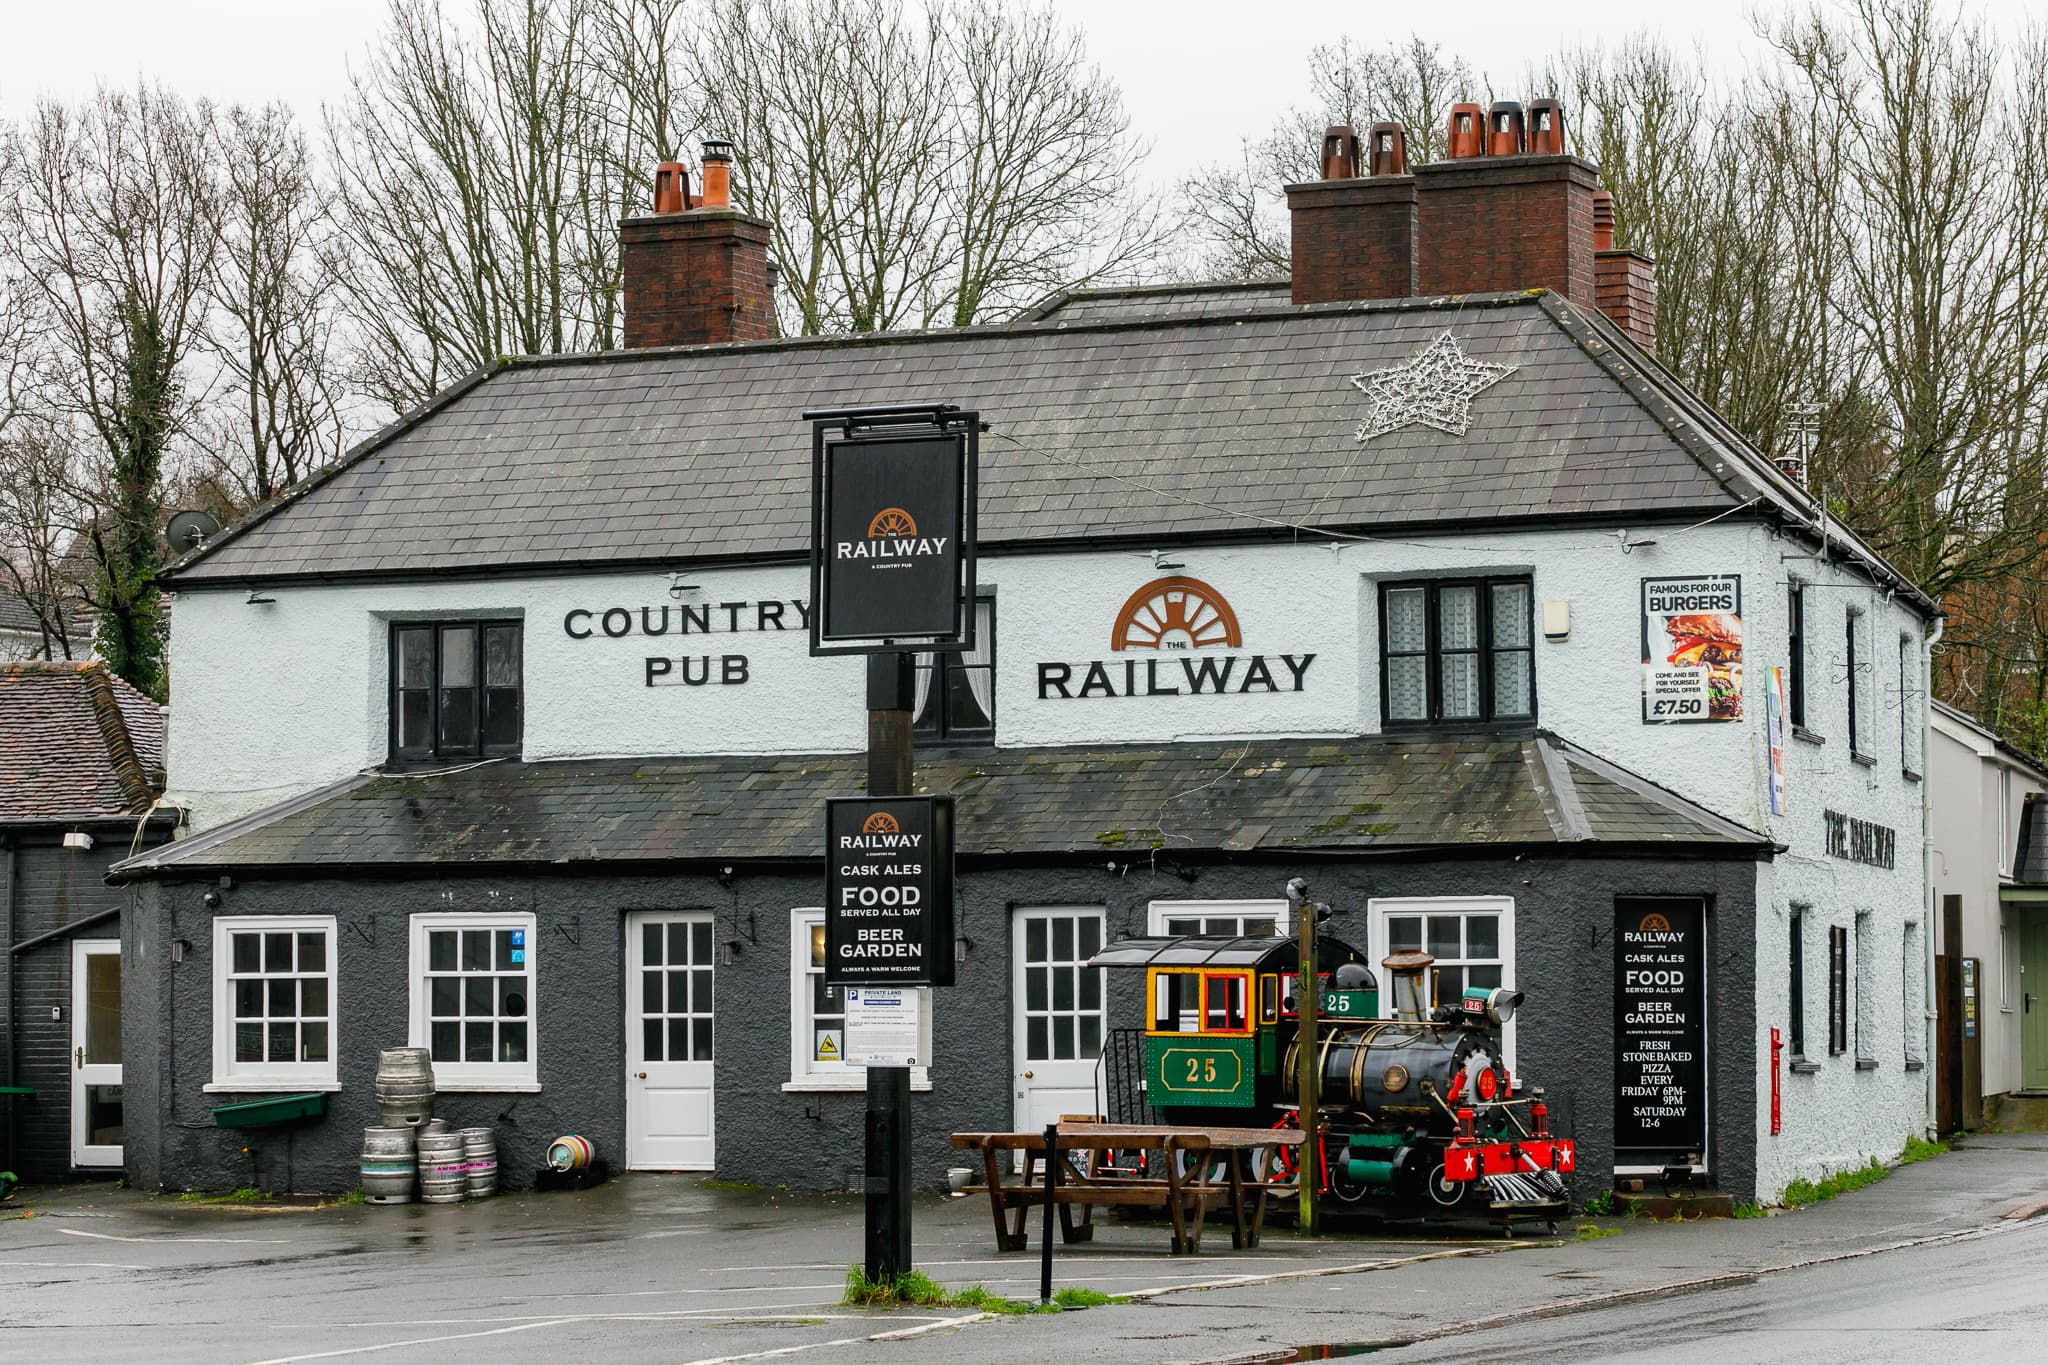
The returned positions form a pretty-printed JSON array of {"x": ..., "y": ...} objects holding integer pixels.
[
  {"x": 96, "y": 1119},
  {"x": 1057, "y": 1012},
  {"x": 669, "y": 1040}
]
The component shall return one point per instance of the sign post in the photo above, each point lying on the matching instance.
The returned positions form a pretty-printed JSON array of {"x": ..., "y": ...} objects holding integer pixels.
[
  {"x": 1308, "y": 1077},
  {"x": 892, "y": 572}
]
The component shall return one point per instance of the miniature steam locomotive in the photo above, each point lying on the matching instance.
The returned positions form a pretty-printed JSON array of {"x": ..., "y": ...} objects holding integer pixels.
[{"x": 1420, "y": 1116}]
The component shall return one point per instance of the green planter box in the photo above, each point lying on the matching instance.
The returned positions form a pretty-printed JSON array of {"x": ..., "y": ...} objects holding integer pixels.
[{"x": 268, "y": 1113}]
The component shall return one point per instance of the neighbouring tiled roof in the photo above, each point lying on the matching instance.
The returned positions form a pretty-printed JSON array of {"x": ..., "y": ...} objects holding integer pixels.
[
  {"x": 1165, "y": 300},
  {"x": 2030, "y": 862},
  {"x": 1240, "y": 797},
  {"x": 76, "y": 743},
  {"x": 1231, "y": 420}
]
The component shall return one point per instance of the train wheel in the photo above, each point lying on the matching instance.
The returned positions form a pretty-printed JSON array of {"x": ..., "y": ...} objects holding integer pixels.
[{"x": 1445, "y": 1192}]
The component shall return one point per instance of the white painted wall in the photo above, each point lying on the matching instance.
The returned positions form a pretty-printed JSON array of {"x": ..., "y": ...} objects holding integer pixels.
[
  {"x": 274, "y": 699},
  {"x": 1973, "y": 851}
]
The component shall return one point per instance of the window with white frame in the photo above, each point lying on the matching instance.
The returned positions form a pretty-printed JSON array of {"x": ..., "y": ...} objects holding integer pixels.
[
  {"x": 472, "y": 999},
  {"x": 817, "y": 1016},
  {"x": 1912, "y": 982},
  {"x": 1471, "y": 937},
  {"x": 1214, "y": 918},
  {"x": 273, "y": 1002}
]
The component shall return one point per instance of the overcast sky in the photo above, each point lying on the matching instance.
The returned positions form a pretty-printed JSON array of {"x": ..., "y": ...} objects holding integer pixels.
[{"x": 1198, "y": 75}]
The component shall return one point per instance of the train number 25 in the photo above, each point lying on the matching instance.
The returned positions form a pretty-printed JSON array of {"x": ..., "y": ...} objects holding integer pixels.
[{"x": 1201, "y": 1070}]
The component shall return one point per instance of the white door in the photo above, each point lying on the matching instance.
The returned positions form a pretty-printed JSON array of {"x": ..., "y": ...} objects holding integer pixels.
[
  {"x": 669, "y": 1041},
  {"x": 1057, "y": 1012},
  {"x": 96, "y": 1125}
]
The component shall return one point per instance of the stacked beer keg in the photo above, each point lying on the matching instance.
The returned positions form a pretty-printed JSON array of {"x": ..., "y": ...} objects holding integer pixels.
[{"x": 412, "y": 1148}]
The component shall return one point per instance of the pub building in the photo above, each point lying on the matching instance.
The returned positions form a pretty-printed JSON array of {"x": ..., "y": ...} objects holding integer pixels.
[{"x": 1415, "y": 575}]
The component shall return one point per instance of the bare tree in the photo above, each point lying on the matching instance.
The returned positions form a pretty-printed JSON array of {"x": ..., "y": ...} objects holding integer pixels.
[
  {"x": 108, "y": 211},
  {"x": 1234, "y": 217},
  {"x": 40, "y": 518},
  {"x": 280, "y": 409}
]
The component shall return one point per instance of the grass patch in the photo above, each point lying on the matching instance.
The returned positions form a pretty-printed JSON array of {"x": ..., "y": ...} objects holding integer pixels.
[
  {"x": 1919, "y": 1149},
  {"x": 354, "y": 1197},
  {"x": 1800, "y": 1193},
  {"x": 915, "y": 1289},
  {"x": 1593, "y": 1232},
  {"x": 1600, "y": 1205},
  {"x": 1751, "y": 1209}
]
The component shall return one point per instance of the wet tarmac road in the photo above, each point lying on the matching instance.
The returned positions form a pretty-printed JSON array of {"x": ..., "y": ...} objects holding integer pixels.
[{"x": 662, "y": 1268}]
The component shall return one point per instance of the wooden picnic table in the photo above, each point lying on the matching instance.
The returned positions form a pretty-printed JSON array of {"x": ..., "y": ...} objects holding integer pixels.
[{"x": 1185, "y": 1190}]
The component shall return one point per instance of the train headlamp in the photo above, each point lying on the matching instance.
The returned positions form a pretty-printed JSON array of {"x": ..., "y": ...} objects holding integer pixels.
[{"x": 1501, "y": 1004}]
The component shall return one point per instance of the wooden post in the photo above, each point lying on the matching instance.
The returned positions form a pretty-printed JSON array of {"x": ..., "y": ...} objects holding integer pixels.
[
  {"x": 1308, "y": 1076},
  {"x": 1052, "y": 1184},
  {"x": 891, "y": 690}
]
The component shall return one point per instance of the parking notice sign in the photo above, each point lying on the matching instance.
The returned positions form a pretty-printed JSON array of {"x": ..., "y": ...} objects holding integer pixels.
[{"x": 885, "y": 1025}]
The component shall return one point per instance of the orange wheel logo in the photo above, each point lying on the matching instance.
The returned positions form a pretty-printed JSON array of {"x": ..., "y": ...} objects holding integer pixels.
[
  {"x": 881, "y": 822},
  {"x": 1654, "y": 924},
  {"x": 1176, "y": 613},
  {"x": 892, "y": 521}
]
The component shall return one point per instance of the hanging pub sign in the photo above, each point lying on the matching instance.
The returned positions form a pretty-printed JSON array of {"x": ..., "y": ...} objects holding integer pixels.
[
  {"x": 892, "y": 530},
  {"x": 889, "y": 891},
  {"x": 1692, "y": 649},
  {"x": 1660, "y": 1034}
]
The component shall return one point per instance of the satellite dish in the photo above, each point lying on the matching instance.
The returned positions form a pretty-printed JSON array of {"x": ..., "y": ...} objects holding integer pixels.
[{"x": 190, "y": 530}]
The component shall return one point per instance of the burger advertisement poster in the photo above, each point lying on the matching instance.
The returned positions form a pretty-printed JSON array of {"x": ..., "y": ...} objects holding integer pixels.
[{"x": 1692, "y": 649}]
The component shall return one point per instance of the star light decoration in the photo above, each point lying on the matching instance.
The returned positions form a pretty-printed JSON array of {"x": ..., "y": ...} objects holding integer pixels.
[{"x": 1434, "y": 389}]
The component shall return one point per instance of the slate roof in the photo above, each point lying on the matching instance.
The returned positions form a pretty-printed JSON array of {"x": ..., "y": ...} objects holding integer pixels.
[
  {"x": 76, "y": 743},
  {"x": 2030, "y": 862},
  {"x": 1165, "y": 300},
  {"x": 1260, "y": 796},
  {"x": 1224, "y": 422}
]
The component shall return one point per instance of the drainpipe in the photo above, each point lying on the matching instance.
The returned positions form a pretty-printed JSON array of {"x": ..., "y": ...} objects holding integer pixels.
[
  {"x": 1931, "y": 1126},
  {"x": 13, "y": 1005}
]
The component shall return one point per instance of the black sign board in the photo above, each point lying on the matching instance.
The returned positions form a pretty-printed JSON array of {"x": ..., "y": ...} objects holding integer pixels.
[
  {"x": 892, "y": 542},
  {"x": 889, "y": 891},
  {"x": 1660, "y": 1031}
]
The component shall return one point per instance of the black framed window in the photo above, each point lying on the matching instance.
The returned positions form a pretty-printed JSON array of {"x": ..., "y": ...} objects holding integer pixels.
[
  {"x": 1797, "y": 993},
  {"x": 1795, "y": 680},
  {"x": 1838, "y": 990},
  {"x": 1855, "y": 686},
  {"x": 956, "y": 693},
  {"x": 1457, "y": 651},
  {"x": 455, "y": 689}
]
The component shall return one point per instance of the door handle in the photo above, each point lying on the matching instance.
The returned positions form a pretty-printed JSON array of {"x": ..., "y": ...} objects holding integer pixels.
[
  {"x": 639, "y": 1075},
  {"x": 1028, "y": 1075},
  {"x": 81, "y": 1059}
]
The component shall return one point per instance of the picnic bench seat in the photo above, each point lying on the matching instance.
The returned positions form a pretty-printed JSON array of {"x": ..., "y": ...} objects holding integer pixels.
[{"x": 1186, "y": 1194}]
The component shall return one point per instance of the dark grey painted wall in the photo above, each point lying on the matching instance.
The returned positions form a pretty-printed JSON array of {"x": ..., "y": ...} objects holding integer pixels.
[
  {"x": 1564, "y": 926},
  {"x": 53, "y": 886}
]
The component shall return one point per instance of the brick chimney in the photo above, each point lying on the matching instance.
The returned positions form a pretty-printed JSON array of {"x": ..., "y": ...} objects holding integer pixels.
[
  {"x": 696, "y": 269},
  {"x": 1354, "y": 236},
  {"x": 1506, "y": 210},
  {"x": 1497, "y": 216},
  {"x": 1624, "y": 282}
]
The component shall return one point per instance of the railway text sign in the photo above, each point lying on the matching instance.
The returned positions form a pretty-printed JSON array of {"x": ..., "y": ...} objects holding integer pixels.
[
  {"x": 892, "y": 561},
  {"x": 889, "y": 891},
  {"x": 1660, "y": 1034}
]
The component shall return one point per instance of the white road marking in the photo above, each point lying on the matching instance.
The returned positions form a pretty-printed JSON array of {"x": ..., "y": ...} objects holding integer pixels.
[
  {"x": 179, "y": 1241},
  {"x": 901, "y": 1334},
  {"x": 72, "y": 1265},
  {"x": 416, "y": 1341}
]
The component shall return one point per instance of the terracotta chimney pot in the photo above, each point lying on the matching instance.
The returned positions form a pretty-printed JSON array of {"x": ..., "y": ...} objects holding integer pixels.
[
  {"x": 1506, "y": 129},
  {"x": 1340, "y": 152},
  {"x": 671, "y": 187},
  {"x": 1468, "y": 132},
  {"x": 1387, "y": 150},
  {"x": 1546, "y": 128},
  {"x": 1603, "y": 221},
  {"x": 717, "y": 174}
]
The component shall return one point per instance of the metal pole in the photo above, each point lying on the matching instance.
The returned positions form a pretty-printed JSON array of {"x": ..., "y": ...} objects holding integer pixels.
[
  {"x": 891, "y": 691},
  {"x": 1308, "y": 1074},
  {"x": 1052, "y": 1180}
]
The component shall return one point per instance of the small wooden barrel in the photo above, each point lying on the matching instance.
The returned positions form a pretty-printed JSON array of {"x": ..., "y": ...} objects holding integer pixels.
[
  {"x": 570, "y": 1153},
  {"x": 389, "y": 1166},
  {"x": 405, "y": 1086},
  {"x": 480, "y": 1157},
  {"x": 442, "y": 1174}
]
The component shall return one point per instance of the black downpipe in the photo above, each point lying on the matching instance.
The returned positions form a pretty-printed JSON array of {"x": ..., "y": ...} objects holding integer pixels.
[{"x": 13, "y": 1020}]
